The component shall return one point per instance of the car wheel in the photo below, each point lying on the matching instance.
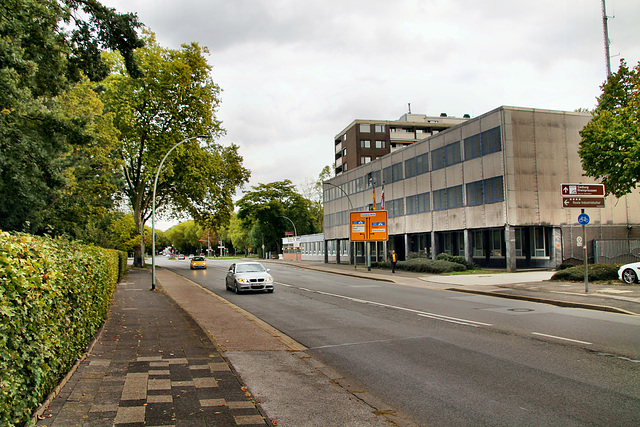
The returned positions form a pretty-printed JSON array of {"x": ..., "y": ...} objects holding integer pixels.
[
  {"x": 629, "y": 276},
  {"x": 226, "y": 285},
  {"x": 237, "y": 290}
]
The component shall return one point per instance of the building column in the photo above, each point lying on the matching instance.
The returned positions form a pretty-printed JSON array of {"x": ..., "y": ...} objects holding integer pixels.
[
  {"x": 556, "y": 250},
  {"x": 510, "y": 241},
  {"x": 326, "y": 251},
  {"x": 468, "y": 252},
  {"x": 406, "y": 246},
  {"x": 337, "y": 251},
  {"x": 434, "y": 245}
]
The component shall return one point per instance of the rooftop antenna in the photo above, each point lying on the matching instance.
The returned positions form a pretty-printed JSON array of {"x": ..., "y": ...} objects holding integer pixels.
[
  {"x": 607, "y": 42},
  {"x": 410, "y": 103}
]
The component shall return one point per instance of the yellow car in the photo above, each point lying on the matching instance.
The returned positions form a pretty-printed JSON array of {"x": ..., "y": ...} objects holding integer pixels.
[{"x": 198, "y": 262}]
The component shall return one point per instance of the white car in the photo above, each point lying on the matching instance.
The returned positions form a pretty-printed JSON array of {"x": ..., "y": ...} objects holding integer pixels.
[{"x": 629, "y": 273}]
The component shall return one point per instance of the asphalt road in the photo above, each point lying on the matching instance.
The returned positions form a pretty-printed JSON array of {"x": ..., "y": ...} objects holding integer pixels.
[{"x": 443, "y": 358}]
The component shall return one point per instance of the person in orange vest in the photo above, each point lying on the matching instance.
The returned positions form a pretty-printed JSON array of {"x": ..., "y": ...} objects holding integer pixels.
[{"x": 394, "y": 259}]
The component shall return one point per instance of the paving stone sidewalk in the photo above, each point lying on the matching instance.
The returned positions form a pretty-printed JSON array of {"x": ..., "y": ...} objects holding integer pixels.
[{"x": 152, "y": 365}]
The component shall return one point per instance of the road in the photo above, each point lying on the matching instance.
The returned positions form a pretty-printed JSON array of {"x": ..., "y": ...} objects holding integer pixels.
[{"x": 444, "y": 358}]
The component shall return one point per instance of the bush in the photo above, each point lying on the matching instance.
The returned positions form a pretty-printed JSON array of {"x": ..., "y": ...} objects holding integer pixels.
[
  {"x": 457, "y": 259},
  {"x": 54, "y": 295},
  {"x": 422, "y": 265},
  {"x": 597, "y": 273}
]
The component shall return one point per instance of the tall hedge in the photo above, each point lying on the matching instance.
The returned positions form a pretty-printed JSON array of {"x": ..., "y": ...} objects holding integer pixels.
[{"x": 54, "y": 296}]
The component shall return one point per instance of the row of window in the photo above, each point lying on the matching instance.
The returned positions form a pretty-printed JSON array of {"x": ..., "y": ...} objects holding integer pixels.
[
  {"x": 478, "y": 145},
  {"x": 480, "y": 192},
  {"x": 379, "y": 143},
  {"x": 366, "y": 128}
]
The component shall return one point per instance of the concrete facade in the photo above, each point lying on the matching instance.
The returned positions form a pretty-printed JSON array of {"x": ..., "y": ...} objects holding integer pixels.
[{"x": 487, "y": 189}]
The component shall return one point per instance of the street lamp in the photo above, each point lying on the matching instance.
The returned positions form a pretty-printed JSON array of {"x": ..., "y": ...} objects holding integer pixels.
[
  {"x": 295, "y": 232},
  {"x": 355, "y": 263},
  {"x": 153, "y": 210}
]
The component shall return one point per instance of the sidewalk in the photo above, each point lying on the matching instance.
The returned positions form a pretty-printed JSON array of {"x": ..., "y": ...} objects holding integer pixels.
[
  {"x": 151, "y": 365},
  {"x": 528, "y": 285},
  {"x": 184, "y": 356}
]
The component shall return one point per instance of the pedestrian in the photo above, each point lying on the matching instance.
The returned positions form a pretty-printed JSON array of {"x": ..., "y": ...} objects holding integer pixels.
[{"x": 394, "y": 259}]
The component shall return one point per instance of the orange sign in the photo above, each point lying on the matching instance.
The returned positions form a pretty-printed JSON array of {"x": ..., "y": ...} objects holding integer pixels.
[{"x": 370, "y": 226}]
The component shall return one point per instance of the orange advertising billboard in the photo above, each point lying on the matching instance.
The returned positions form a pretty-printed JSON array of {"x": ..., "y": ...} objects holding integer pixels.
[{"x": 369, "y": 226}]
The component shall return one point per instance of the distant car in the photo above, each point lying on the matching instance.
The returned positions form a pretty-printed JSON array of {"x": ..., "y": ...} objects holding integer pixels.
[
  {"x": 629, "y": 273},
  {"x": 181, "y": 256},
  {"x": 198, "y": 262},
  {"x": 248, "y": 276}
]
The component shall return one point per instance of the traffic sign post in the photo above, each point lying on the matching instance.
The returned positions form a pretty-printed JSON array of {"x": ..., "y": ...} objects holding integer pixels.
[
  {"x": 368, "y": 226},
  {"x": 583, "y": 196}
]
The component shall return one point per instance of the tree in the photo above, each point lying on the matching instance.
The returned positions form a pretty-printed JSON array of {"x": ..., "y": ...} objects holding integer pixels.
[
  {"x": 47, "y": 47},
  {"x": 264, "y": 209},
  {"x": 174, "y": 100},
  {"x": 610, "y": 145}
]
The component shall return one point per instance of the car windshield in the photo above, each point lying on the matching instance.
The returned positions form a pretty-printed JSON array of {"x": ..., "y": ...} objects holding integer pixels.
[
  {"x": 249, "y": 268},
  {"x": 198, "y": 258}
]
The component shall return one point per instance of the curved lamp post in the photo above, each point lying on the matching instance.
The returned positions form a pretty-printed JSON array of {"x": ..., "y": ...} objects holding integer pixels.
[
  {"x": 295, "y": 232},
  {"x": 153, "y": 210},
  {"x": 355, "y": 264}
]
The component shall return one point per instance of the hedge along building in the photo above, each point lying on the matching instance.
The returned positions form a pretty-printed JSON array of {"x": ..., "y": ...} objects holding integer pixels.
[{"x": 488, "y": 189}]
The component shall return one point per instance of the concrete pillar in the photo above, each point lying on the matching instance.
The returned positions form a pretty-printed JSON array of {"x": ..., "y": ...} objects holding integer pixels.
[
  {"x": 510, "y": 241},
  {"x": 337, "y": 251},
  {"x": 434, "y": 246},
  {"x": 556, "y": 250},
  {"x": 468, "y": 252},
  {"x": 406, "y": 246}
]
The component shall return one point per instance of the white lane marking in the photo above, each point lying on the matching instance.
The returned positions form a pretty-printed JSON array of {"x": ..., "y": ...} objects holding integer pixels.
[
  {"x": 434, "y": 316},
  {"x": 562, "y": 338}
]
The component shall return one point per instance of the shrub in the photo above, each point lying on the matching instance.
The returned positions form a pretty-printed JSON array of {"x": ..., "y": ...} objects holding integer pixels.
[
  {"x": 422, "y": 265},
  {"x": 457, "y": 259},
  {"x": 54, "y": 295},
  {"x": 597, "y": 273}
]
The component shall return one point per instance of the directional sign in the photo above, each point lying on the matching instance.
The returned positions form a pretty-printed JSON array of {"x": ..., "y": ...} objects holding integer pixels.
[
  {"x": 369, "y": 226},
  {"x": 582, "y": 190},
  {"x": 583, "y": 202},
  {"x": 583, "y": 219}
]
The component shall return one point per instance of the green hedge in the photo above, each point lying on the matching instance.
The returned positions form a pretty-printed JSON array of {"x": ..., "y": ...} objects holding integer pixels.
[
  {"x": 422, "y": 265},
  {"x": 597, "y": 273},
  {"x": 54, "y": 296}
]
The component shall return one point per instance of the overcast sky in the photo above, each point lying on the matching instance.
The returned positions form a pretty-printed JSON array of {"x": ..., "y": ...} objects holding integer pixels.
[{"x": 295, "y": 73}]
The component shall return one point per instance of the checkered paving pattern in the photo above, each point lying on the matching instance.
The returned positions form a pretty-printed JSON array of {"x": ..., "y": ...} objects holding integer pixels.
[{"x": 152, "y": 366}]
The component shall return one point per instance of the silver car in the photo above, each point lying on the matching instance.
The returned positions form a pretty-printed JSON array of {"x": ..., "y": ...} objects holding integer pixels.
[{"x": 248, "y": 276}]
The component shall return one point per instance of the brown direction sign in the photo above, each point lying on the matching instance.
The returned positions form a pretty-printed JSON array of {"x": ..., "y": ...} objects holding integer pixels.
[
  {"x": 582, "y": 190},
  {"x": 583, "y": 202}
]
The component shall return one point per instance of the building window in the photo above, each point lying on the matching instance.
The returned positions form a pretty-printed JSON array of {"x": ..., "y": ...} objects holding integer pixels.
[
  {"x": 519, "y": 242},
  {"x": 474, "y": 193},
  {"x": 482, "y": 144},
  {"x": 395, "y": 207},
  {"x": 472, "y": 147},
  {"x": 478, "y": 244},
  {"x": 344, "y": 152},
  {"x": 493, "y": 190},
  {"x": 365, "y": 127},
  {"x": 365, "y": 143},
  {"x": 380, "y": 128},
  {"x": 392, "y": 173},
  {"x": 496, "y": 243},
  {"x": 380, "y": 143},
  {"x": 365, "y": 159},
  {"x": 440, "y": 200},
  {"x": 454, "y": 197},
  {"x": 539, "y": 242},
  {"x": 416, "y": 165},
  {"x": 372, "y": 179},
  {"x": 418, "y": 204},
  {"x": 446, "y": 156}
]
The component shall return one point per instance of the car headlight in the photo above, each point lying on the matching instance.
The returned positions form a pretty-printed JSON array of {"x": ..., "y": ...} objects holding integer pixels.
[
  {"x": 242, "y": 280},
  {"x": 270, "y": 279}
]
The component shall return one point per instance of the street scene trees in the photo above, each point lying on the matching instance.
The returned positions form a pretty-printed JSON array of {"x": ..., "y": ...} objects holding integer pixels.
[
  {"x": 174, "y": 100},
  {"x": 610, "y": 146}
]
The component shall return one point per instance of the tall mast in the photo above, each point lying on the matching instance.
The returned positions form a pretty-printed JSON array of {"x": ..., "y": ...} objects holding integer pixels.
[{"x": 606, "y": 39}]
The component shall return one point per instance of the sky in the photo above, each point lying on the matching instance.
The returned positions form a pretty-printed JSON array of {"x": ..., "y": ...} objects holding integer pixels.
[{"x": 295, "y": 73}]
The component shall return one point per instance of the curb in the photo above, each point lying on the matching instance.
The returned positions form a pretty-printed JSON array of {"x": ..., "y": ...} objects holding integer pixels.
[{"x": 558, "y": 303}]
